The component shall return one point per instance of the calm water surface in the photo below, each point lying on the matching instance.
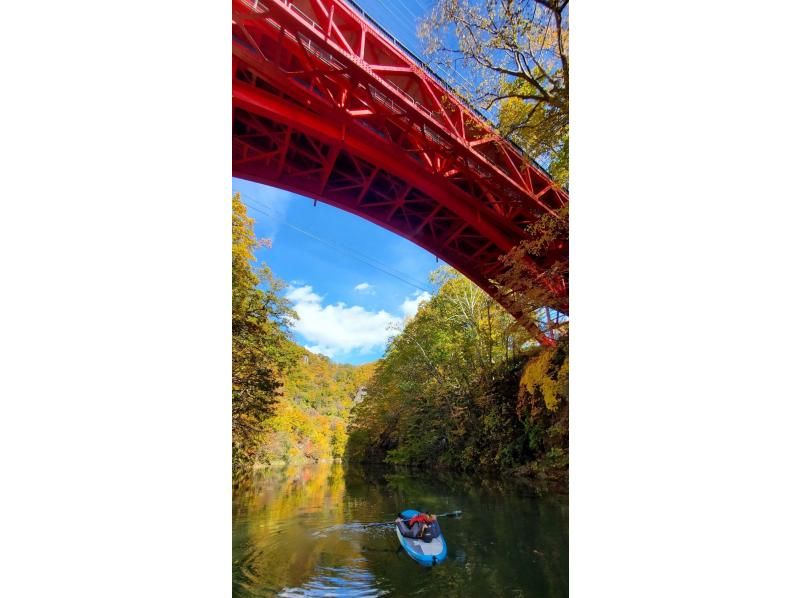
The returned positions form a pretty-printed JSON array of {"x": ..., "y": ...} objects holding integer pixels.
[{"x": 299, "y": 532}]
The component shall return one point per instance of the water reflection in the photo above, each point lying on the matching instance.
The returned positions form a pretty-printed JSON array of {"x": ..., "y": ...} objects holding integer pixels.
[
  {"x": 300, "y": 532},
  {"x": 339, "y": 581}
]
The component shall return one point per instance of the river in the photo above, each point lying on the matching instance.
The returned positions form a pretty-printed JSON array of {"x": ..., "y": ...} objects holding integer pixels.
[{"x": 299, "y": 531}]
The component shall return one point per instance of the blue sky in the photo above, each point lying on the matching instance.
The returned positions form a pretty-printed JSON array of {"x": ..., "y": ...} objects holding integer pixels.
[
  {"x": 398, "y": 17},
  {"x": 351, "y": 282}
]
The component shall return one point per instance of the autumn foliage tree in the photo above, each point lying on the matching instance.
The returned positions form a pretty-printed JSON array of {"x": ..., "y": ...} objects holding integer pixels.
[
  {"x": 261, "y": 350},
  {"x": 534, "y": 296},
  {"x": 309, "y": 422},
  {"x": 512, "y": 60}
]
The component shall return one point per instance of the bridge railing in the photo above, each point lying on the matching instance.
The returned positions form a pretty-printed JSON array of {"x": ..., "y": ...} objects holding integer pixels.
[{"x": 444, "y": 83}]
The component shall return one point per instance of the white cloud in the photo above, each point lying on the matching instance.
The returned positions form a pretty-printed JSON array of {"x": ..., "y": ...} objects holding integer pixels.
[
  {"x": 321, "y": 350},
  {"x": 364, "y": 287},
  {"x": 337, "y": 329},
  {"x": 304, "y": 294},
  {"x": 411, "y": 304}
]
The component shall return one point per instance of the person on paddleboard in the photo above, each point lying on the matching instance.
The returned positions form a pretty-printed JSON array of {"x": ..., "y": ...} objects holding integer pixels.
[{"x": 423, "y": 526}]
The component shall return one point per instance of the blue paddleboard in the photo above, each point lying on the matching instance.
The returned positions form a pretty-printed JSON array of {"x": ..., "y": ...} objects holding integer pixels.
[{"x": 425, "y": 553}]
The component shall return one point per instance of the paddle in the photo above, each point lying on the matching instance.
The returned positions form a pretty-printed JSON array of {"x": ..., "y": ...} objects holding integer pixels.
[{"x": 451, "y": 514}]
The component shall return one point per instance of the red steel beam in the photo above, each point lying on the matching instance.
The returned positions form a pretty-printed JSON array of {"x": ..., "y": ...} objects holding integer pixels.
[
  {"x": 285, "y": 112},
  {"x": 314, "y": 72},
  {"x": 289, "y": 15}
]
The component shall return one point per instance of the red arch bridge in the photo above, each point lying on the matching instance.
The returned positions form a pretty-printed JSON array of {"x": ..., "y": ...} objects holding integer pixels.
[{"x": 328, "y": 105}]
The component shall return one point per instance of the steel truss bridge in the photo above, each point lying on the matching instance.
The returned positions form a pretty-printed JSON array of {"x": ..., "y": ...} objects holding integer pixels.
[{"x": 328, "y": 105}]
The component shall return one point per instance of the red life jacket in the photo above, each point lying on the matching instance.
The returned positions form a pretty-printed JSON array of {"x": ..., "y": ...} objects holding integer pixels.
[{"x": 421, "y": 518}]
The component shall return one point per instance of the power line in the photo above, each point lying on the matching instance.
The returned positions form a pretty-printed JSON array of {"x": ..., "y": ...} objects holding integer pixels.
[
  {"x": 407, "y": 29},
  {"x": 421, "y": 6},
  {"x": 353, "y": 254},
  {"x": 371, "y": 262},
  {"x": 328, "y": 241},
  {"x": 445, "y": 71},
  {"x": 408, "y": 10}
]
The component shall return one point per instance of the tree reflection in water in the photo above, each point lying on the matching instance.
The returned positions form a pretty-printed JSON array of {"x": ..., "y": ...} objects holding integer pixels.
[{"x": 298, "y": 531}]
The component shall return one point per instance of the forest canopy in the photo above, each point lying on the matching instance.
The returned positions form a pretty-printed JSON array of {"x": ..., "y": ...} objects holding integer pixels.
[{"x": 461, "y": 387}]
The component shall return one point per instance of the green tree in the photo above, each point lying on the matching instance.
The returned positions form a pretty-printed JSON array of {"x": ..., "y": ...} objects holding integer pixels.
[{"x": 447, "y": 393}]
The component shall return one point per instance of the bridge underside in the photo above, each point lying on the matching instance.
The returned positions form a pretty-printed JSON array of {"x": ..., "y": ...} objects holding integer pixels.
[{"x": 325, "y": 106}]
